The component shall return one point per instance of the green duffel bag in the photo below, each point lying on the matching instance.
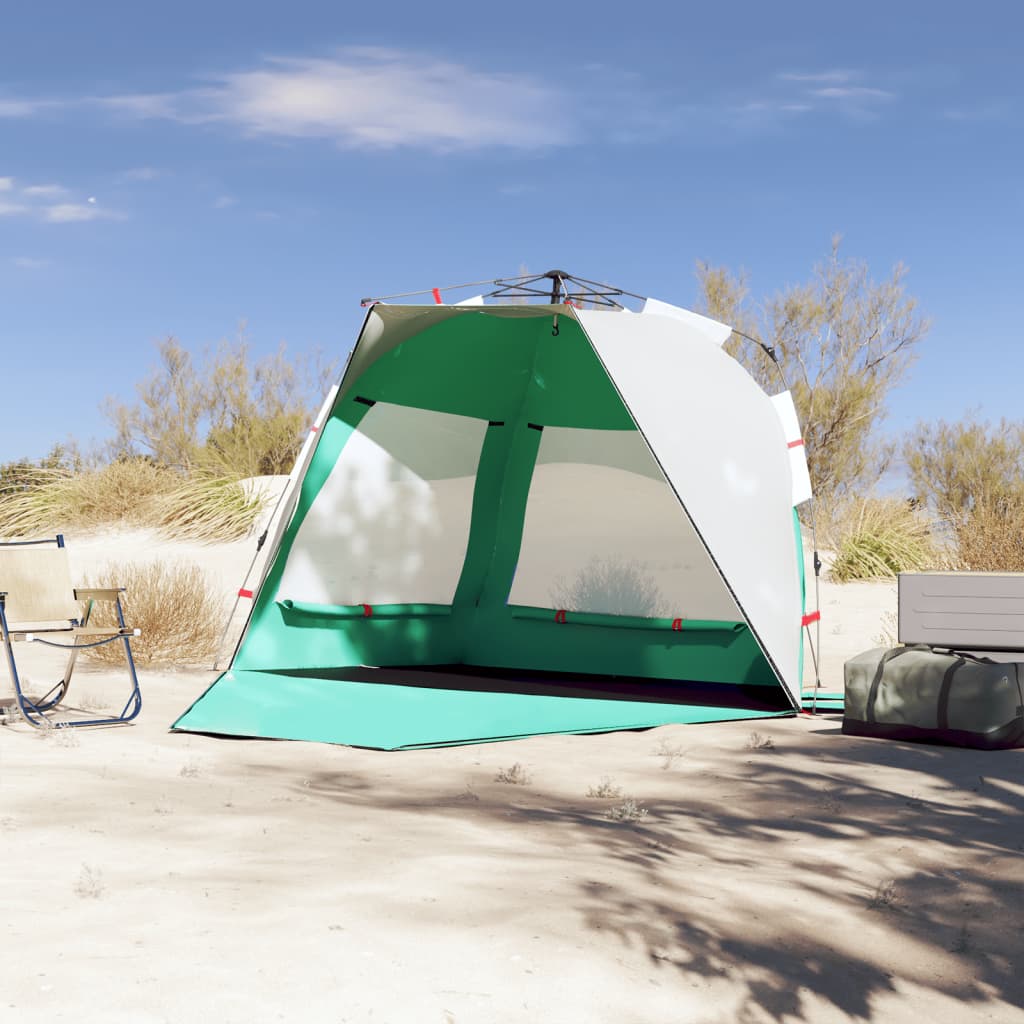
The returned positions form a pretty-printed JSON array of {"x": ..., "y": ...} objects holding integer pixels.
[{"x": 928, "y": 696}]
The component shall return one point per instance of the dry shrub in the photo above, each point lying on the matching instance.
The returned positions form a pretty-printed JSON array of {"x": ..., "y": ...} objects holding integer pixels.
[
  {"x": 612, "y": 587},
  {"x": 175, "y": 606},
  {"x": 881, "y": 537},
  {"x": 990, "y": 538}
]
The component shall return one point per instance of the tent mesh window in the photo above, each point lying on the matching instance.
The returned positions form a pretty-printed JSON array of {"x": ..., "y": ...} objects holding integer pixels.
[
  {"x": 605, "y": 533},
  {"x": 391, "y": 522}
]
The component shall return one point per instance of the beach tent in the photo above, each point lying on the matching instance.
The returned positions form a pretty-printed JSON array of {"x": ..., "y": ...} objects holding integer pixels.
[{"x": 516, "y": 519}]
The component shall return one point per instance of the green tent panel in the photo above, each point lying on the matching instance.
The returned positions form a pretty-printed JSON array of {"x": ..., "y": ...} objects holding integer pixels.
[{"x": 525, "y": 519}]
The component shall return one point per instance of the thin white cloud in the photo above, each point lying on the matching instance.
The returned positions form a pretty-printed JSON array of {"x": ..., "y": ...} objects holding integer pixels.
[
  {"x": 143, "y": 104},
  {"x": 835, "y": 76},
  {"x": 852, "y": 92},
  {"x": 833, "y": 91},
  {"x": 30, "y": 263},
  {"x": 992, "y": 110},
  {"x": 134, "y": 174},
  {"x": 45, "y": 192},
  {"x": 20, "y": 108},
  {"x": 50, "y": 203},
  {"x": 66, "y": 213},
  {"x": 223, "y": 202},
  {"x": 368, "y": 98}
]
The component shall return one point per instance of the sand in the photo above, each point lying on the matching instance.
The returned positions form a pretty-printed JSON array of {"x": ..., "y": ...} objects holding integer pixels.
[{"x": 798, "y": 875}]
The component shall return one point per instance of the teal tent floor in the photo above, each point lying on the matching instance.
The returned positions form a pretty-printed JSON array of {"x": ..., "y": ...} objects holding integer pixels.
[
  {"x": 823, "y": 701},
  {"x": 393, "y": 716}
]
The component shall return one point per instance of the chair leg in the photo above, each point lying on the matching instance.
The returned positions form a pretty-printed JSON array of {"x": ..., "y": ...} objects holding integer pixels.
[
  {"x": 30, "y": 711},
  {"x": 33, "y": 711},
  {"x": 133, "y": 705}
]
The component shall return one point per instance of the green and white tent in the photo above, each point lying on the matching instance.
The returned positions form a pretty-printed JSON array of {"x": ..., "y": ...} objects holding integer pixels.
[{"x": 519, "y": 519}]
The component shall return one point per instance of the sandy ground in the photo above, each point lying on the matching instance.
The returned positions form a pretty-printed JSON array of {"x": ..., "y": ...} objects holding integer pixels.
[{"x": 795, "y": 875}]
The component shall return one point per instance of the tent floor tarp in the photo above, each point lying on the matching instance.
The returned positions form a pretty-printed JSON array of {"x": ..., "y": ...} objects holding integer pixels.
[{"x": 393, "y": 709}]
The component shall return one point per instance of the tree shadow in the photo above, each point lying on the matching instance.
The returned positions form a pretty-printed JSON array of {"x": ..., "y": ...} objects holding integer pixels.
[{"x": 813, "y": 884}]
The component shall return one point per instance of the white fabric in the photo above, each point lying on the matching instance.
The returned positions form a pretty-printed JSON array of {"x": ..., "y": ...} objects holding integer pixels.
[
  {"x": 391, "y": 523},
  {"x": 786, "y": 412},
  {"x": 604, "y": 532},
  {"x": 711, "y": 329},
  {"x": 722, "y": 447}
]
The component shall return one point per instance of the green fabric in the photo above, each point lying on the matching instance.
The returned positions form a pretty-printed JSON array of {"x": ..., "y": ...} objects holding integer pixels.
[
  {"x": 389, "y": 717},
  {"x": 624, "y": 621},
  {"x": 365, "y": 611}
]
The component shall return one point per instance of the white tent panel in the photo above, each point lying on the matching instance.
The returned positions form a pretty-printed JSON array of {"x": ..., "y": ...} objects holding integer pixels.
[
  {"x": 391, "y": 523},
  {"x": 795, "y": 442},
  {"x": 604, "y": 532},
  {"x": 710, "y": 329},
  {"x": 722, "y": 447}
]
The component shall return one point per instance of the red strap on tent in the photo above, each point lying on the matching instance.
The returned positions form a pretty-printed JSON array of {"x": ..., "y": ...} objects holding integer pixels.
[
  {"x": 437, "y": 295},
  {"x": 245, "y": 593},
  {"x": 809, "y": 618},
  {"x": 798, "y": 443},
  {"x": 560, "y": 616},
  {"x": 367, "y": 610},
  {"x": 677, "y": 625}
]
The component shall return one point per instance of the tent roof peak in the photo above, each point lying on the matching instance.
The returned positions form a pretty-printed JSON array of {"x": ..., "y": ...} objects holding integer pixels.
[{"x": 553, "y": 286}]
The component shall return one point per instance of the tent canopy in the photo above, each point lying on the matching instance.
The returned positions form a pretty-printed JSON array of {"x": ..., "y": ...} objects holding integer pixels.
[{"x": 525, "y": 503}]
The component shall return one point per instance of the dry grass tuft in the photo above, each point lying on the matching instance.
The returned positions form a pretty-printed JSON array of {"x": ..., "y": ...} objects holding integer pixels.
[
  {"x": 174, "y": 605},
  {"x": 89, "y": 885},
  {"x": 517, "y": 775},
  {"x": 604, "y": 790},
  {"x": 628, "y": 810},
  {"x": 755, "y": 741},
  {"x": 207, "y": 508},
  {"x": 881, "y": 537},
  {"x": 885, "y": 896},
  {"x": 130, "y": 492},
  {"x": 51, "y": 500}
]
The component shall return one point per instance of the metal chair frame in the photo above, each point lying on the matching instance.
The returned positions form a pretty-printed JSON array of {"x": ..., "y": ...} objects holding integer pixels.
[{"x": 34, "y": 710}]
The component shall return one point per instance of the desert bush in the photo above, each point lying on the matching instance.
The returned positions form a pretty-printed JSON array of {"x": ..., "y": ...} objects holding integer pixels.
[
  {"x": 226, "y": 414},
  {"x": 972, "y": 474},
  {"x": 955, "y": 466},
  {"x": 880, "y": 537},
  {"x": 844, "y": 341},
  {"x": 990, "y": 537},
  {"x": 174, "y": 605},
  {"x": 611, "y": 587}
]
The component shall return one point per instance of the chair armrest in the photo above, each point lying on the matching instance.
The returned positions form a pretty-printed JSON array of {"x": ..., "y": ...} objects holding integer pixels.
[{"x": 98, "y": 593}]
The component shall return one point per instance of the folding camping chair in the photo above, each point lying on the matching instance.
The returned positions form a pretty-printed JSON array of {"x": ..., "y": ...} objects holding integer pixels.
[{"x": 39, "y": 605}]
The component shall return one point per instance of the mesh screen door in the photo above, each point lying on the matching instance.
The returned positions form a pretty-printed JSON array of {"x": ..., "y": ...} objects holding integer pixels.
[
  {"x": 391, "y": 522},
  {"x": 605, "y": 533}
]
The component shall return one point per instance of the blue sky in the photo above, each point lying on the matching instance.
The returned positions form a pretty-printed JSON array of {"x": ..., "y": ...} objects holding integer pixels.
[{"x": 182, "y": 168}]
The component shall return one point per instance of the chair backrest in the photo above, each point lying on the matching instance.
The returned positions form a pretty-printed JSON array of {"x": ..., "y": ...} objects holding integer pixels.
[{"x": 38, "y": 585}]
